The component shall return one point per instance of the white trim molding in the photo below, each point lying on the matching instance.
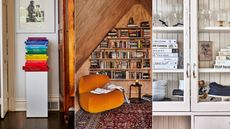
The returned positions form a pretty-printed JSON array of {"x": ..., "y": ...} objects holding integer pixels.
[{"x": 20, "y": 103}]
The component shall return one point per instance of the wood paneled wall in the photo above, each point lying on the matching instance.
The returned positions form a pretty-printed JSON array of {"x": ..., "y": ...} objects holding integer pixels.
[{"x": 93, "y": 21}]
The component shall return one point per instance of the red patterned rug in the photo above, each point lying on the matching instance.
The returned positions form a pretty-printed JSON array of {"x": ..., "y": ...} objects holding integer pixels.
[{"x": 128, "y": 116}]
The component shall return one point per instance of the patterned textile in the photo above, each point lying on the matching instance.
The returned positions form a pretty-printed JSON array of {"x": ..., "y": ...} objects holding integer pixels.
[{"x": 129, "y": 116}]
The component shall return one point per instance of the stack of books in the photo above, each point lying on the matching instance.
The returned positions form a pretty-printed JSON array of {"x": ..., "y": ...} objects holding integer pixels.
[
  {"x": 223, "y": 58},
  {"x": 36, "y": 54},
  {"x": 147, "y": 33},
  {"x": 165, "y": 54}
]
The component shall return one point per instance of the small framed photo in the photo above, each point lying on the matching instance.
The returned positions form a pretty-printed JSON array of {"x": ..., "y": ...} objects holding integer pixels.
[
  {"x": 35, "y": 16},
  {"x": 205, "y": 51}
]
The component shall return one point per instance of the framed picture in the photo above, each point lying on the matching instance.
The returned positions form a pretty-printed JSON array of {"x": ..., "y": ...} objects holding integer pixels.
[
  {"x": 205, "y": 50},
  {"x": 35, "y": 16}
]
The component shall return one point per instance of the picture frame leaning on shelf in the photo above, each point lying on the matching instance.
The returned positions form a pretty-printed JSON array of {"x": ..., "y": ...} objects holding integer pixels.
[{"x": 205, "y": 51}]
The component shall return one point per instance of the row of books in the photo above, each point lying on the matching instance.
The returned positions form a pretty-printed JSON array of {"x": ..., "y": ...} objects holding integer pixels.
[
  {"x": 165, "y": 54},
  {"x": 223, "y": 58},
  {"x": 123, "y": 74},
  {"x": 132, "y": 43},
  {"x": 119, "y": 65},
  {"x": 126, "y": 33},
  {"x": 120, "y": 54},
  {"x": 36, "y": 54}
]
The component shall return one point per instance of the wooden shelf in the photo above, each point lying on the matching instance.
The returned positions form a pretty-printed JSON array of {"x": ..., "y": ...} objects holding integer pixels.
[
  {"x": 168, "y": 29},
  {"x": 215, "y": 29},
  {"x": 168, "y": 71},
  {"x": 123, "y": 49},
  {"x": 121, "y": 59},
  {"x": 213, "y": 70},
  {"x": 121, "y": 28},
  {"x": 128, "y": 38},
  {"x": 116, "y": 69}
]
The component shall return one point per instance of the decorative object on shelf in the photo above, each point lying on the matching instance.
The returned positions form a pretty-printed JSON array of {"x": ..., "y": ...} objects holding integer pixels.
[
  {"x": 36, "y": 54},
  {"x": 205, "y": 15},
  {"x": 35, "y": 16},
  {"x": 221, "y": 17},
  {"x": 145, "y": 24},
  {"x": 205, "y": 50},
  {"x": 159, "y": 89},
  {"x": 218, "y": 89},
  {"x": 137, "y": 85},
  {"x": 202, "y": 89},
  {"x": 165, "y": 54},
  {"x": 131, "y": 22}
]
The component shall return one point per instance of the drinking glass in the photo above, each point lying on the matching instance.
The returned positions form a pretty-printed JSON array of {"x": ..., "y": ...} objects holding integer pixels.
[{"x": 221, "y": 17}]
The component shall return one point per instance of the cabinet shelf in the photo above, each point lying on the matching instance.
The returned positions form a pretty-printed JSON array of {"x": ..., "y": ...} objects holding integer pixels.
[
  {"x": 215, "y": 29},
  {"x": 168, "y": 71},
  {"x": 213, "y": 70},
  {"x": 168, "y": 29}
]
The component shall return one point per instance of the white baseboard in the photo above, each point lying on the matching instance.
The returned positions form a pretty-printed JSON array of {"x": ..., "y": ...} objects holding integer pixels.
[{"x": 20, "y": 104}]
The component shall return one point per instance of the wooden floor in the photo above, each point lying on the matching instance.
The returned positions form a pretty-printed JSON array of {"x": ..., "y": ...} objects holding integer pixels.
[{"x": 18, "y": 120}]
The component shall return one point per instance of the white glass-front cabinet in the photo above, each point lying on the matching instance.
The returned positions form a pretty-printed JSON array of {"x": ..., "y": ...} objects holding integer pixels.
[
  {"x": 210, "y": 55},
  {"x": 170, "y": 56}
]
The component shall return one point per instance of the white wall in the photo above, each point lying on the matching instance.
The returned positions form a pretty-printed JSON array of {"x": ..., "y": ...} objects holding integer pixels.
[{"x": 53, "y": 85}]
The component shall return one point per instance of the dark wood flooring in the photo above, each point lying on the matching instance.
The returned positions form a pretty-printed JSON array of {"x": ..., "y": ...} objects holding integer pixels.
[{"x": 18, "y": 120}]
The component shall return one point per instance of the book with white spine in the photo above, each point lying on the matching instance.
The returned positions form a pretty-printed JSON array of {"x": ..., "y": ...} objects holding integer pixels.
[
  {"x": 164, "y": 50},
  {"x": 223, "y": 57},
  {"x": 166, "y": 59},
  {"x": 163, "y": 67},
  {"x": 165, "y": 62},
  {"x": 165, "y": 46},
  {"x": 164, "y": 41},
  {"x": 164, "y": 55}
]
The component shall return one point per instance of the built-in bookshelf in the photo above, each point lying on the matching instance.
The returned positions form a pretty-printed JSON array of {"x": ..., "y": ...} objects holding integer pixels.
[{"x": 124, "y": 54}]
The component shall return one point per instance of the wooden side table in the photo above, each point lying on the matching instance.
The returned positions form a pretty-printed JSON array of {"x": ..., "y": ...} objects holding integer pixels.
[{"x": 137, "y": 85}]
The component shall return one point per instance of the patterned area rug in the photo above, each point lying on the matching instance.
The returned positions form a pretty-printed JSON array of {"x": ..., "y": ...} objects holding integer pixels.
[{"x": 128, "y": 116}]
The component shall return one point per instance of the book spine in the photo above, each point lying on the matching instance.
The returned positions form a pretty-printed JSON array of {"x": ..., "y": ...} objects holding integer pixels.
[
  {"x": 165, "y": 50},
  {"x": 166, "y": 59},
  {"x": 224, "y": 53},
  {"x": 223, "y": 57},
  {"x": 164, "y": 67},
  {"x": 165, "y": 62},
  {"x": 165, "y": 55},
  {"x": 174, "y": 41},
  {"x": 165, "y": 46},
  {"x": 222, "y": 62}
]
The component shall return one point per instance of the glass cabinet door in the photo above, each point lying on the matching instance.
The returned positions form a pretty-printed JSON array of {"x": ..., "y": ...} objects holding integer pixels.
[
  {"x": 170, "y": 56},
  {"x": 210, "y": 55}
]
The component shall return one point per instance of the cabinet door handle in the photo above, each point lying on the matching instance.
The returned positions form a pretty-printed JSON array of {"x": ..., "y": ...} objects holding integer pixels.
[
  {"x": 194, "y": 71},
  {"x": 188, "y": 70}
]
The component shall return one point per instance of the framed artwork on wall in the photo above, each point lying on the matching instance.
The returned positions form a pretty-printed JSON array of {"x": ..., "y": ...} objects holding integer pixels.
[{"x": 35, "y": 16}]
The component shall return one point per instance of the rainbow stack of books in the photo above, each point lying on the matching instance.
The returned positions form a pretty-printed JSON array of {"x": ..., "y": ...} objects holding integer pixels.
[{"x": 36, "y": 54}]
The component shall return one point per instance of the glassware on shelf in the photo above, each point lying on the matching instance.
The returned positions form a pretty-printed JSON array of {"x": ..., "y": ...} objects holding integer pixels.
[
  {"x": 205, "y": 15},
  {"x": 228, "y": 18},
  {"x": 221, "y": 17},
  {"x": 178, "y": 14},
  {"x": 159, "y": 19}
]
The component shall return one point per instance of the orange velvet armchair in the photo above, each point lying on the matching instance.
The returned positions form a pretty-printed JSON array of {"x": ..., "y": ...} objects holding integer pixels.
[{"x": 95, "y": 103}]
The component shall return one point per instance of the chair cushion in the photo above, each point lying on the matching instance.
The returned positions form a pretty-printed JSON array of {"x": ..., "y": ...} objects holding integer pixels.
[{"x": 95, "y": 103}]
